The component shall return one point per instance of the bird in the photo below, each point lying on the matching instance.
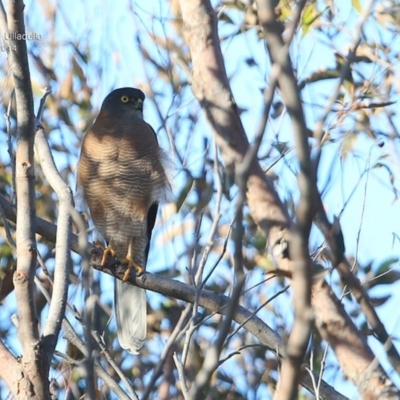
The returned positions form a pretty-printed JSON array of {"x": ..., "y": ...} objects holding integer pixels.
[{"x": 122, "y": 178}]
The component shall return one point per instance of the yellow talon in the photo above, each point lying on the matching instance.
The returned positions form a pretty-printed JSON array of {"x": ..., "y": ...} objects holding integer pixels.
[
  {"x": 131, "y": 265},
  {"x": 107, "y": 251}
]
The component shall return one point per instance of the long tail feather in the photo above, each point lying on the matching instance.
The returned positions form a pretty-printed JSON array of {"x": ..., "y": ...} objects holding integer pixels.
[{"x": 130, "y": 309}]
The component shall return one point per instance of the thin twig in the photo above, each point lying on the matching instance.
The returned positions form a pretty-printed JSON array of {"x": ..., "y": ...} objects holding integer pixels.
[
  {"x": 11, "y": 153},
  {"x": 214, "y": 227},
  {"x": 318, "y": 130},
  {"x": 89, "y": 303},
  {"x": 182, "y": 379},
  {"x": 72, "y": 336},
  {"x": 111, "y": 361},
  {"x": 171, "y": 341}
]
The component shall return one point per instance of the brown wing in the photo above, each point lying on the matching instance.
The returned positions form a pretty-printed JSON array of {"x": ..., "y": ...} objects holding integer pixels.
[{"x": 151, "y": 220}]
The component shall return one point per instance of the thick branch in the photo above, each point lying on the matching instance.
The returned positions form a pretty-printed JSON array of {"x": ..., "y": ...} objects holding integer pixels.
[
  {"x": 210, "y": 85},
  {"x": 28, "y": 333},
  {"x": 336, "y": 241},
  {"x": 360, "y": 365},
  {"x": 44, "y": 228},
  {"x": 10, "y": 370}
]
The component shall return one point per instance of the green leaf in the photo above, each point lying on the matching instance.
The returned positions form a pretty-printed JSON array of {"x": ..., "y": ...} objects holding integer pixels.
[
  {"x": 385, "y": 274},
  {"x": 308, "y": 17},
  {"x": 356, "y": 4},
  {"x": 379, "y": 300},
  {"x": 348, "y": 142}
]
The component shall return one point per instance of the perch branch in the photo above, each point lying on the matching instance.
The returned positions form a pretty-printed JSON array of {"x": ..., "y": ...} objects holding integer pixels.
[{"x": 169, "y": 287}]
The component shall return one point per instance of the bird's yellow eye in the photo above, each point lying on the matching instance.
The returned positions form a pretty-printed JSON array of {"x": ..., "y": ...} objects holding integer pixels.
[{"x": 124, "y": 99}]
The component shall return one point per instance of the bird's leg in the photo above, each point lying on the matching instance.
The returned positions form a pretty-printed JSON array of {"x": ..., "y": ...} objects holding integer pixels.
[
  {"x": 131, "y": 264},
  {"x": 107, "y": 251}
]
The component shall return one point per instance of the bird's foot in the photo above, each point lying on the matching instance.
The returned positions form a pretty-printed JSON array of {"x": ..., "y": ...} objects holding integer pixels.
[
  {"x": 107, "y": 252},
  {"x": 131, "y": 265}
]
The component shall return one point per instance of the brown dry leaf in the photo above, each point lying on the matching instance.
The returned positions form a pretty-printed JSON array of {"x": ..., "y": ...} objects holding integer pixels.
[
  {"x": 264, "y": 261},
  {"x": 66, "y": 86},
  {"x": 348, "y": 142}
]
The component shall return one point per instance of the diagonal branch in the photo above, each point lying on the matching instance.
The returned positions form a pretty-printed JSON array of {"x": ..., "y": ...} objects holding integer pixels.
[
  {"x": 361, "y": 366},
  {"x": 210, "y": 85}
]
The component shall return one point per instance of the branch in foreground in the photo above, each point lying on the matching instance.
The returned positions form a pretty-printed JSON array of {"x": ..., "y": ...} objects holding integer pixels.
[
  {"x": 305, "y": 209},
  {"x": 62, "y": 258},
  {"x": 342, "y": 264},
  {"x": 32, "y": 367}
]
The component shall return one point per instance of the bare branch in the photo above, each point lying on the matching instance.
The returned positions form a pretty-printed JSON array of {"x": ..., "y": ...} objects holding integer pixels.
[
  {"x": 109, "y": 358},
  {"x": 73, "y": 338},
  {"x": 216, "y": 303},
  {"x": 305, "y": 210},
  {"x": 89, "y": 303},
  {"x": 43, "y": 227},
  {"x": 211, "y": 361},
  {"x": 10, "y": 371},
  {"x": 171, "y": 340},
  {"x": 211, "y": 87},
  {"x": 34, "y": 366},
  {"x": 182, "y": 379},
  {"x": 82, "y": 346},
  {"x": 109, "y": 381},
  {"x": 62, "y": 259},
  {"x": 333, "y": 323},
  {"x": 333, "y": 235},
  {"x": 319, "y": 128}
]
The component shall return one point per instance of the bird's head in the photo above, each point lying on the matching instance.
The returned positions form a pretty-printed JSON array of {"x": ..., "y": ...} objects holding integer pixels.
[{"x": 124, "y": 102}]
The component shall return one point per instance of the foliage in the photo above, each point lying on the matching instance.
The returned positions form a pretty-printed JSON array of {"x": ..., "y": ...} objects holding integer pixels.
[{"x": 81, "y": 58}]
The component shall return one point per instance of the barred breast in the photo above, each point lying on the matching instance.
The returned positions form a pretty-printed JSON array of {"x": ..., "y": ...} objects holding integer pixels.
[{"x": 122, "y": 176}]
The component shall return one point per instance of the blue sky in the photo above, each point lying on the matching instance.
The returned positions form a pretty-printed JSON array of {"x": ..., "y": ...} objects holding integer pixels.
[{"x": 109, "y": 30}]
